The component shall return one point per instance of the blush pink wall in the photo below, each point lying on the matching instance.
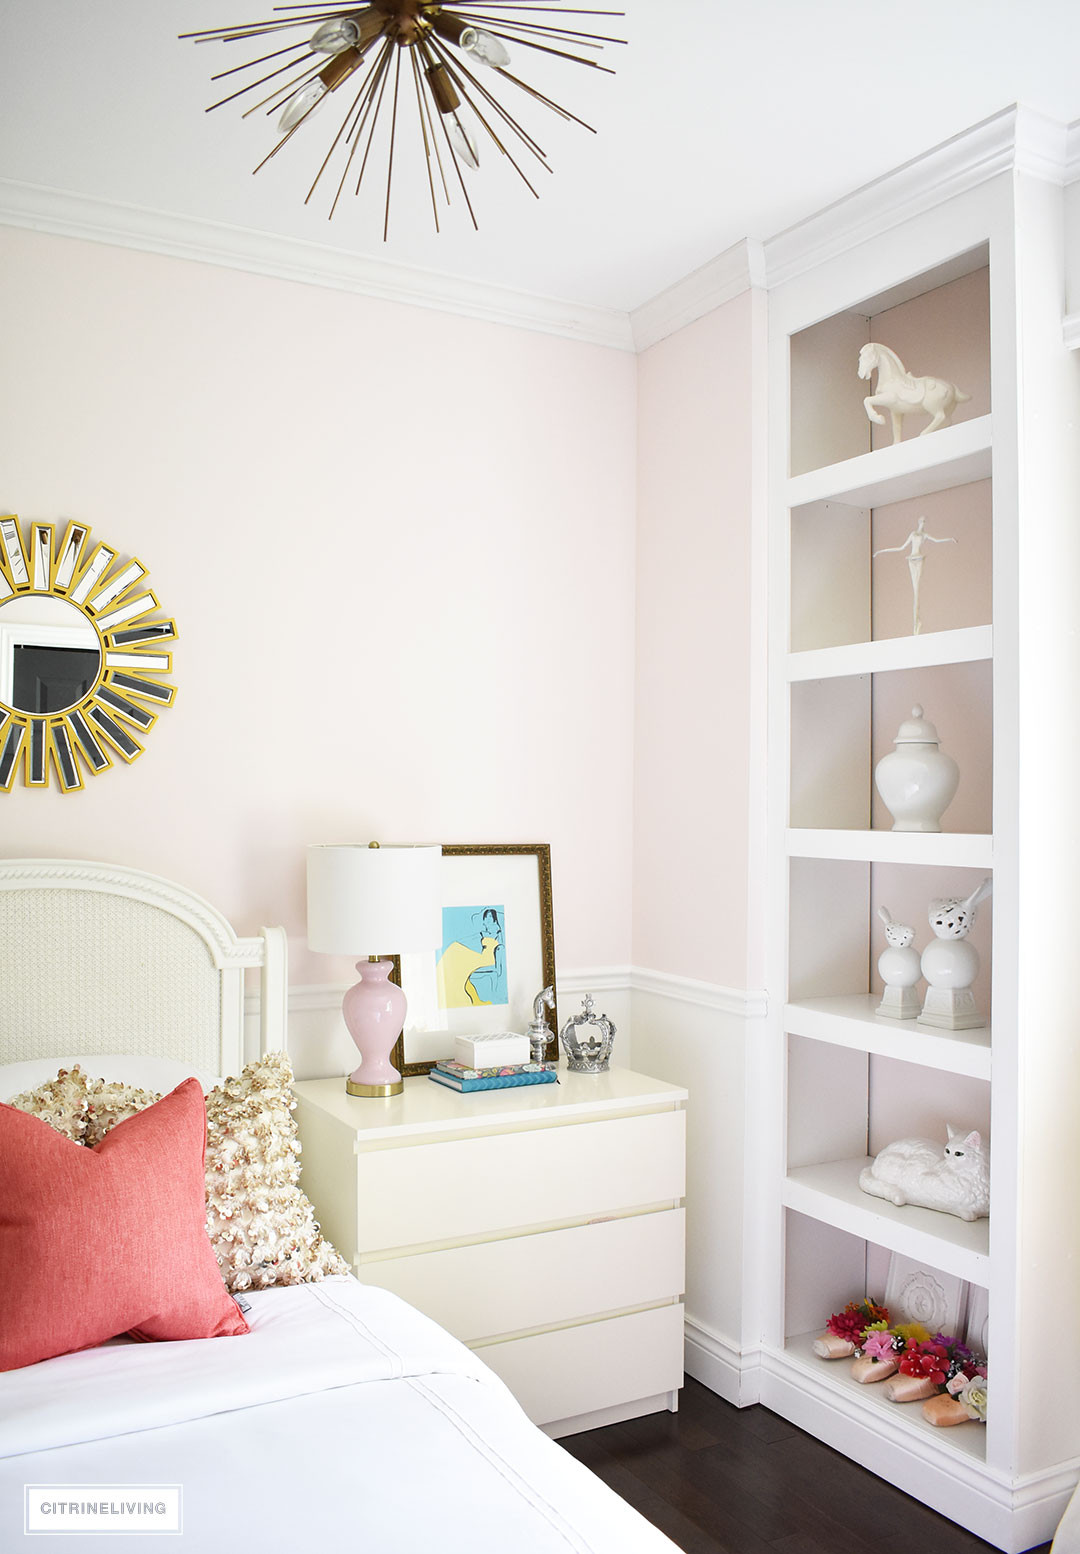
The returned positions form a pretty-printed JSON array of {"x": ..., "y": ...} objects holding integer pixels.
[
  {"x": 399, "y": 546},
  {"x": 692, "y": 800}
]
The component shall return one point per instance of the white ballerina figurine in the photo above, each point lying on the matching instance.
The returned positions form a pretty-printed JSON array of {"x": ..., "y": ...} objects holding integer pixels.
[
  {"x": 955, "y": 1180},
  {"x": 916, "y": 539},
  {"x": 900, "y": 392},
  {"x": 900, "y": 969}
]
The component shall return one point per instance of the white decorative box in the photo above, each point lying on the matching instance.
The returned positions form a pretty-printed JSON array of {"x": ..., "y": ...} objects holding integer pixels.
[{"x": 496, "y": 1050}]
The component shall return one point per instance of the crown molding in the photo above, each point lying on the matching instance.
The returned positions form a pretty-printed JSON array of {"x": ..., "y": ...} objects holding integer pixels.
[
  {"x": 1072, "y": 152},
  {"x": 292, "y": 259},
  {"x": 727, "y": 276},
  {"x": 1019, "y": 139}
]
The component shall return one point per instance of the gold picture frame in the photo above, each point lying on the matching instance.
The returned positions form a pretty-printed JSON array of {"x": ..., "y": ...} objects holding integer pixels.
[
  {"x": 511, "y": 880},
  {"x": 78, "y": 629}
]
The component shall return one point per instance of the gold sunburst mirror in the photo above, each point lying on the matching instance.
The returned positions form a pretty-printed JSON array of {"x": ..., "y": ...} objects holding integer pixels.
[{"x": 80, "y": 674}]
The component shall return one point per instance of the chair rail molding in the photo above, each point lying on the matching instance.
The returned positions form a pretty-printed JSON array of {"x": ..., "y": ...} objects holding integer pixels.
[{"x": 747, "y": 1003}]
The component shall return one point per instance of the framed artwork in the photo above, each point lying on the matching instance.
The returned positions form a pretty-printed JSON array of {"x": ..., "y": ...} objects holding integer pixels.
[
  {"x": 914, "y": 1293},
  {"x": 498, "y": 952}
]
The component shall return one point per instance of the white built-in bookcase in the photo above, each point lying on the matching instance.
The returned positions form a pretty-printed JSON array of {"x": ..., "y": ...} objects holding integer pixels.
[{"x": 970, "y": 291}]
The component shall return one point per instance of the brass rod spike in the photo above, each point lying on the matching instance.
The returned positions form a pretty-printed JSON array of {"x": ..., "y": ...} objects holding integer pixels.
[
  {"x": 531, "y": 10},
  {"x": 549, "y": 102},
  {"x": 544, "y": 48},
  {"x": 233, "y": 70},
  {"x": 393, "y": 132},
  {"x": 260, "y": 82},
  {"x": 287, "y": 136},
  {"x": 384, "y": 73},
  {"x": 424, "y": 133},
  {"x": 533, "y": 145},
  {"x": 429, "y": 111},
  {"x": 527, "y": 140},
  {"x": 335, "y": 142},
  {"x": 281, "y": 94},
  {"x": 546, "y": 30}
]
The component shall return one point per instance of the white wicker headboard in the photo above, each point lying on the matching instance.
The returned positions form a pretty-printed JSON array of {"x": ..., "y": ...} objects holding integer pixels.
[{"x": 99, "y": 959}]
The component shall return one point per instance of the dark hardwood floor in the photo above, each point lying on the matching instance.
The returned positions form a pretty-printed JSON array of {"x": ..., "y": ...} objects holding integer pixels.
[{"x": 724, "y": 1480}]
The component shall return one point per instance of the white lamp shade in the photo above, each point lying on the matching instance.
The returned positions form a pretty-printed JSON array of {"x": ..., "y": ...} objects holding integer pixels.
[{"x": 374, "y": 900}]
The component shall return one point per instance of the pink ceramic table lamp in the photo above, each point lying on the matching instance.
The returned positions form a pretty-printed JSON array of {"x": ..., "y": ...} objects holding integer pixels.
[{"x": 362, "y": 900}]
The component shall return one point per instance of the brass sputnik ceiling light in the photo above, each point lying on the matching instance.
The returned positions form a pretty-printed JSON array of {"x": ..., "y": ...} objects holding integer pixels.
[{"x": 366, "y": 46}]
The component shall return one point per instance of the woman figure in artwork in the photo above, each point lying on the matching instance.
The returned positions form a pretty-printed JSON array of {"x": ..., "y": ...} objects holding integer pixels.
[
  {"x": 900, "y": 392},
  {"x": 461, "y": 963},
  {"x": 916, "y": 539}
]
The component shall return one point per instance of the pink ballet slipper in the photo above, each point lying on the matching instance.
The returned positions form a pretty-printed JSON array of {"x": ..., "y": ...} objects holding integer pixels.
[
  {"x": 866, "y": 1369},
  {"x": 828, "y": 1347},
  {"x": 909, "y": 1389},
  {"x": 944, "y": 1410}
]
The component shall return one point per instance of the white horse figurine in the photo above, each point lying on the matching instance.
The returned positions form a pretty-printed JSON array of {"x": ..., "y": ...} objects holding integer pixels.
[{"x": 899, "y": 392}]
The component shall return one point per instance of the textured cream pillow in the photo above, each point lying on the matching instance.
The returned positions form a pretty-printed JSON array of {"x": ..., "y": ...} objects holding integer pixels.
[
  {"x": 262, "y": 1227},
  {"x": 61, "y": 1102}
]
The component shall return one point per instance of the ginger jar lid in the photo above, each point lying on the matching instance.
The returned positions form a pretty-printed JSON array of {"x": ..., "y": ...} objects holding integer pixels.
[{"x": 917, "y": 730}]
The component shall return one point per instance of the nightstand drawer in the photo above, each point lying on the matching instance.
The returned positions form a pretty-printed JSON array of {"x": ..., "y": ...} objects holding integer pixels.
[
  {"x": 422, "y": 1193},
  {"x": 600, "y": 1365},
  {"x": 495, "y": 1287}
]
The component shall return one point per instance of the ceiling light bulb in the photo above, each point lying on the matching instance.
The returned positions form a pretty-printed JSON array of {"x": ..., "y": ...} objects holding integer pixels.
[
  {"x": 302, "y": 103},
  {"x": 485, "y": 47},
  {"x": 464, "y": 143},
  {"x": 341, "y": 32}
]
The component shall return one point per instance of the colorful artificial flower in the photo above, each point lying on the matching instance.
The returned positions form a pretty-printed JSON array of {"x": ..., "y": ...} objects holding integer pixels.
[
  {"x": 974, "y": 1397},
  {"x": 855, "y": 1318},
  {"x": 878, "y": 1344},
  {"x": 911, "y": 1334},
  {"x": 928, "y": 1359}
]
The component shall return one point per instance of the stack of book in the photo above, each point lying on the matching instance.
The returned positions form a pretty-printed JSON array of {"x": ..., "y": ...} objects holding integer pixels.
[{"x": 508, "y": 1076}]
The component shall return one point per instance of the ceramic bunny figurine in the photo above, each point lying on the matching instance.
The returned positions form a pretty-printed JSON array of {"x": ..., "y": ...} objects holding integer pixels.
[
  {"x": 950, "y": 965},
  {"x": 900, "y": 969},
  {"x": 917, "y": 1171}
]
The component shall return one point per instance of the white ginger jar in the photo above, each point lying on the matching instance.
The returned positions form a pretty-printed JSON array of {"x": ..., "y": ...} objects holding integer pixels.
[{"x": 917, "y": 780}]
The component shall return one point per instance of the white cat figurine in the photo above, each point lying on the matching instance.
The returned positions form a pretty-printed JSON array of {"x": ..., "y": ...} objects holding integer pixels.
[{"x": 916, "y": 1171}]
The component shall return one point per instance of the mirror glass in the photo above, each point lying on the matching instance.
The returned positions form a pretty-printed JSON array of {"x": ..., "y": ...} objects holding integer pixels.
[{"x": 50, "y": 655}]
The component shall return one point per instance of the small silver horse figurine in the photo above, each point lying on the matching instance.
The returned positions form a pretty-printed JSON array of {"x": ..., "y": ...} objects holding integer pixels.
[{"x": 899, "y": 392}]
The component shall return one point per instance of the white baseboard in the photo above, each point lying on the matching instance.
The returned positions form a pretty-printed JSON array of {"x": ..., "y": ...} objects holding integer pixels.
[
  {"x": 1011, "y": 1515},
  {"x": 721, "y": 1366}
]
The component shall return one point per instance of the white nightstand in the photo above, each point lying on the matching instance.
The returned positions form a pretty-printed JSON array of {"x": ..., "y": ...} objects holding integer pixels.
[{"x": 542, "y": 1226}]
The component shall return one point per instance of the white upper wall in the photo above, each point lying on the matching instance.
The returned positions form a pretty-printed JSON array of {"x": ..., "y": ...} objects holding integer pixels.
[
  {"x": 399, "y": 547},
  {"x": 696, "y": 492}
]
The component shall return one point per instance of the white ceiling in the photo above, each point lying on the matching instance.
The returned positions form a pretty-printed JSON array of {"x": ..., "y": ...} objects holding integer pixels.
[{"x": 723, "y": 121}]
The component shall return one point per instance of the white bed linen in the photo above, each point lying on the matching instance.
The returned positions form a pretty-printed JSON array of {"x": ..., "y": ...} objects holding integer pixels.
[
  {"x": 345, "y": 1420},
  {"x": 160, "y": 1074}
]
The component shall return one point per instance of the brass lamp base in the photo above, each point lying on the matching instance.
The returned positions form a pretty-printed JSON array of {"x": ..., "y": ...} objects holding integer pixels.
[{"x": 375, "y": 1090}]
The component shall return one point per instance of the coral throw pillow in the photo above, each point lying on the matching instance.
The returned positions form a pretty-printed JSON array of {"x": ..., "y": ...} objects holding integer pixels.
[{"x": 96, "y": 1242}]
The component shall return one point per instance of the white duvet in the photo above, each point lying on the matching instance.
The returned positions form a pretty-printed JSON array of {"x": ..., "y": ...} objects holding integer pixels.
[{"x": 345, "y": 1421}]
